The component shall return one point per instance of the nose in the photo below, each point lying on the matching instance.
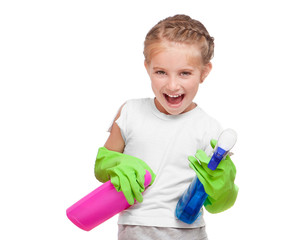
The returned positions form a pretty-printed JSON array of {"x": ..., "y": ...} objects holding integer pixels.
[{"x": 173, "y": 84}]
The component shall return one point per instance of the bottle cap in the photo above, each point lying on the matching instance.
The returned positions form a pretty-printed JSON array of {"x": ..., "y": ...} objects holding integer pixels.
[
  {"x": 218, "y": 155},
  {"x": 213, "y": 163}
]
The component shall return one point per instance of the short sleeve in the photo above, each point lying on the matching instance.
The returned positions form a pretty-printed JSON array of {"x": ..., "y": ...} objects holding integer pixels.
[{"x": 122, "y": 121}]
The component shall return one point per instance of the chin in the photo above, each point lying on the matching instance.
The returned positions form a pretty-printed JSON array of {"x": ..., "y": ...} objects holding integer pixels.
[{"x": 175, "y": 110}]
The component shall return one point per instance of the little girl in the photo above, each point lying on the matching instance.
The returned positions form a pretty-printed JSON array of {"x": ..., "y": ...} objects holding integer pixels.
[{"x": 159, "y": 134}]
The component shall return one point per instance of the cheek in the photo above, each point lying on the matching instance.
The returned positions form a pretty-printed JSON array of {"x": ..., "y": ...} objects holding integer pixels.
[
  {"x": 192, "y": 86},
  {"x": 155, "y": 86},
  {"x": 156, "y": 83}
]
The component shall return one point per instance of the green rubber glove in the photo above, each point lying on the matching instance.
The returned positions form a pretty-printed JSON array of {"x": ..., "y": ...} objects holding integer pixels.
[
  {"x": 218, "y": 184},
  {"x": 125, "y": 172}
]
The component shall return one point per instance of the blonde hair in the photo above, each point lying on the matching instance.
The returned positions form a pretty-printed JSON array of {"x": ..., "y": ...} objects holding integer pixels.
[{"x": 180, "y": 29}]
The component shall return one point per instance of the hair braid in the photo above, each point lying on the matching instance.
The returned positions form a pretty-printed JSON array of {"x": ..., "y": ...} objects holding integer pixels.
[{"x": 181, "y": 28}]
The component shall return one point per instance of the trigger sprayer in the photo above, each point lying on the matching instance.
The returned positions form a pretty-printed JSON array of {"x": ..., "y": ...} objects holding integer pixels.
[{"x": 191, "y": 201}]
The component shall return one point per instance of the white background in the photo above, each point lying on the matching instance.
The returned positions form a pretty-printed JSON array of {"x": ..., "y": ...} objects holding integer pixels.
[{"x": 67, "y": 66}]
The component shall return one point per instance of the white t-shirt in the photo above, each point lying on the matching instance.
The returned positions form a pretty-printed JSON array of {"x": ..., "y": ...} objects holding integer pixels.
[{"x": 164, "y": 142}]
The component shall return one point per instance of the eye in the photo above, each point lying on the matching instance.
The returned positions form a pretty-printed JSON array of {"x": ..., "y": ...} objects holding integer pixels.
[
  {"x": 160, "y": 72},
  {"x": 185, "y": 74}
]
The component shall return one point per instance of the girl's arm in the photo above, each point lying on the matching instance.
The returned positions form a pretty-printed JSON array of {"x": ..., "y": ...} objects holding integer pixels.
[{"x": 115, "y": 141}]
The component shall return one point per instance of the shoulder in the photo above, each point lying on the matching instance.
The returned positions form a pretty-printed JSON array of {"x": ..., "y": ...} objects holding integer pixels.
[
  {"x": 129, "y": 104},
  {"x": 207, "y": 116},
  {"x": 208, "y": 120}
]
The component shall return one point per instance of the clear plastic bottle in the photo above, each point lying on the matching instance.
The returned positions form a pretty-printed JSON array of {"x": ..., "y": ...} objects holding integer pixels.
[{"x": 191, "y": 201}]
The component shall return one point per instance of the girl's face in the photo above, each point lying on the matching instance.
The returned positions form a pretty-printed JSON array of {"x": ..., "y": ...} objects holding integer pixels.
[{"x": 175, "y": 75}]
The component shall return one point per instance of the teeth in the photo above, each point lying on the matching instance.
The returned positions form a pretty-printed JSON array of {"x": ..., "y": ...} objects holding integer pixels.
[{"x": 174, "y": 96}]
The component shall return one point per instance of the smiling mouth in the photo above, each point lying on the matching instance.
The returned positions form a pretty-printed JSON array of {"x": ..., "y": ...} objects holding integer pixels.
[{"x": 174, "y": 99}]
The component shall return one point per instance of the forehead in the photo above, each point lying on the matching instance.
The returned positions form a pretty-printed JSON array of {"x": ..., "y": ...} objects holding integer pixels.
[{"x": 182, "y": 53}]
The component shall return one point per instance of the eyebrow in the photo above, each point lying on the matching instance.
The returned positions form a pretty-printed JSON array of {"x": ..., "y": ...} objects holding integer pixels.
[{"x": 181, "y": 69}]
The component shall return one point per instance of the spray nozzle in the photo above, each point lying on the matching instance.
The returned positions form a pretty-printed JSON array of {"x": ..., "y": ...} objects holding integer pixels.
[{"x": 225, "y": 143}]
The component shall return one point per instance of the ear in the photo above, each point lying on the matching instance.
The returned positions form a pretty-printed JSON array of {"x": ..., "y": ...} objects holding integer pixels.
[{"x": 205, "y": 71}]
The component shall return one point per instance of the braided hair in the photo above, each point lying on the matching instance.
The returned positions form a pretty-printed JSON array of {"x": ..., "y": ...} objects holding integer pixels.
[{"x": 181, "y": 29}]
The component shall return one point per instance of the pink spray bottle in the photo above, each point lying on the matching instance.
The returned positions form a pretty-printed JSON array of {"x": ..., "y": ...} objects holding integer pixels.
[{"x": 99, "y": 205}]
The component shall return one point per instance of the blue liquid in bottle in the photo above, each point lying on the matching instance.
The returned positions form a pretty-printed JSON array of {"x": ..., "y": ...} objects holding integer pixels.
[
  {"x": 189, "y": 205},
  {"x": 191, "y": 201}
]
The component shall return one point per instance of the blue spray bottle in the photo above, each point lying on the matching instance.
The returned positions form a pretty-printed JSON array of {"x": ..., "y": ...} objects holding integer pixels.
[{"x": 191, "y": 201}]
